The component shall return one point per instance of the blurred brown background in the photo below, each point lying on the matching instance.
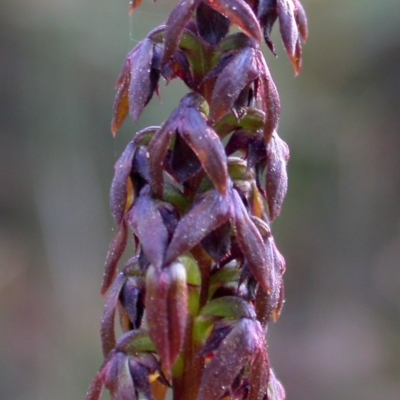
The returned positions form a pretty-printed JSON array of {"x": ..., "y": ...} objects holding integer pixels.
[{"x": 339, "y": 334}]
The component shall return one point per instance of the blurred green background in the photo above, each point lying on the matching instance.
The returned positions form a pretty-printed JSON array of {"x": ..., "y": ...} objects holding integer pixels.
[{"x": 339, "y": 334}]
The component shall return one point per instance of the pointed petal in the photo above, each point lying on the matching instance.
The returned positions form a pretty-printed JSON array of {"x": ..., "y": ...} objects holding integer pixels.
[
  {"x": 120, "y": 107},
  {"x": 114, "y": 254},
  {"x": 148, "y": 225},
  {"x": 175, "y": 24},
  {"x": 107, "y": 322},
  {"x": 238, "y": 74},
  {"x": 276, "y": 176},
  {"x": 267, "y": 15},
  {"x": 157, "y": 150},
  {"x": 297, "y": 59},
  {"x": 288, "y": 25},
  {"x": 240, "y": 13},
  {"x": 119, "y": 186},
  {"x": 207, "y": 146},
  {"x": 207, "y": 214},
  {"x": 301, "y": 19},
  {"x": 142, "y": 83},
  {"x": 252, "y": 245},
  {"x": 270, "y": 99}
]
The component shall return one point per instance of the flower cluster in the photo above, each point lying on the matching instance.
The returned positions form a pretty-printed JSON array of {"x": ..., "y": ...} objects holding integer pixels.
[{"x": 199, "y": 194}]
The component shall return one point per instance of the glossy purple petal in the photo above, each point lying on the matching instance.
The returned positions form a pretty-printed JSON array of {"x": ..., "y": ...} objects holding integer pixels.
[
  {"x": 206, "y": 144},
  {"x": 238, "y": 74},
  {"x": 211, "y": 211},
  {"x": 147, "y": 223},
  {"x": 288, "y": 25},
  {"x": 239, "y": 13},
  {"x": 175, "y": 24},
  {"x": 276, "y": 176},
  {"x": 143, "y": 80}
]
